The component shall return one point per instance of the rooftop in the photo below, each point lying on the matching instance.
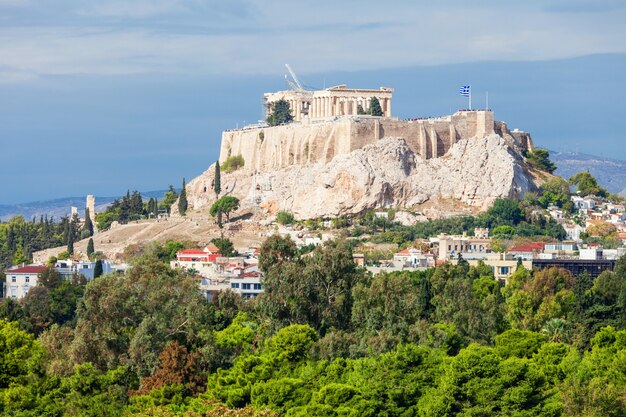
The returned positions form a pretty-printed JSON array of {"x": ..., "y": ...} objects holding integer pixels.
[{"x": 29, "y": 269}]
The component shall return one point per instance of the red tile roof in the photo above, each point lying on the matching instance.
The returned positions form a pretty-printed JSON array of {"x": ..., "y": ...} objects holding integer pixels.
[
  {"x": 191, "y": 252},
  {"x": 529, "y": 247},
  {"x": 30, "y": 269}
]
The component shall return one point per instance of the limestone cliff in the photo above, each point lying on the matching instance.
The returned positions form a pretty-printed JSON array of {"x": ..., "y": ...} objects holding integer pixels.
[{"x": 473, "y": 171}]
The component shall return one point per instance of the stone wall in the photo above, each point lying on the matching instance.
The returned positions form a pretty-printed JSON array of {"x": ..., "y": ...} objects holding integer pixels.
[{"x": 269, "y": 148}]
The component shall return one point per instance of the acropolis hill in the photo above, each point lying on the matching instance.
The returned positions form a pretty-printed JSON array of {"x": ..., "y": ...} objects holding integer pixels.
[{"x": 331, "y": 161}]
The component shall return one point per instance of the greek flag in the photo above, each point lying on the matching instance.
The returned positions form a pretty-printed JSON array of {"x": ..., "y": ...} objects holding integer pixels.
[{"x": 464, "y": 90}]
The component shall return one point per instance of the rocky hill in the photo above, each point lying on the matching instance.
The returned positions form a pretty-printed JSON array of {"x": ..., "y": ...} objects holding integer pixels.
[
  {"x": 469, "y": 177},
  {"x": 611, "y": 173}
]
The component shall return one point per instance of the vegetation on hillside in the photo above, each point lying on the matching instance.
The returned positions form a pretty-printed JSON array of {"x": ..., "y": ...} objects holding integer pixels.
[
  {"x": 325, "y": 338},
  {"x": 232, "y": 163}
]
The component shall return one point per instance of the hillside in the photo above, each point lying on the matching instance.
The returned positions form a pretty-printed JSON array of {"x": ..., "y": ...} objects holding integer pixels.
[
  {"x": 610, "y": 173},
  {"x": 60, "y": 207}
]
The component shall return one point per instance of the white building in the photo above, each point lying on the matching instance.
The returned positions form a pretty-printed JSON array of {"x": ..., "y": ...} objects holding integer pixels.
[
  {"x": 414, "y": 258},
  {"x": 21, "y": 279},
  {"x": 67, "y": 268}
]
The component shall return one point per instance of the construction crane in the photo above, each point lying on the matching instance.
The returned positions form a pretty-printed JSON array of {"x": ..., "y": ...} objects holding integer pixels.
[{"x": 294, "y": 83}]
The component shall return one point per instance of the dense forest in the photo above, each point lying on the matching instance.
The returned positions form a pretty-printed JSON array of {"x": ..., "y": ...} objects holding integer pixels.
[{"x": 325, "y": 339}]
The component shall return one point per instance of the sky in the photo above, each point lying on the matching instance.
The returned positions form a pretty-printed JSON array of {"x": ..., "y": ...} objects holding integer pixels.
[{"x": 97, "y": 97}]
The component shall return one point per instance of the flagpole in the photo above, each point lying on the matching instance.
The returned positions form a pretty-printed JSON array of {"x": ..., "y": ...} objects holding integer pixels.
[
  {"x": 487, "y": 101},
  {"x": 470, "y": 97}
]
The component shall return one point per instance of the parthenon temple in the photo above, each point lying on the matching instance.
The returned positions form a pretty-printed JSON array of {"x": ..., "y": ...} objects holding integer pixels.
[{"x": 330, "y": 102}]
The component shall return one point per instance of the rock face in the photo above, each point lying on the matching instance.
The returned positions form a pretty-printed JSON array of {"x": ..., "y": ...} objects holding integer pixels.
[{"x": 388, "y": 173}]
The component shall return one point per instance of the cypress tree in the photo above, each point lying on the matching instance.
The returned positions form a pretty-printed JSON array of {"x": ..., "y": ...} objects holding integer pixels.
[
  {"x": 90, "y": 248},
  {"x": 97, "y": 270},
  {"x": 217, "y": 182},
  {"x": 88, "y": 224},
  {"x": 375, "y": 109},
  {"x": 70, "y": 244},
  {"x": 182, "y": 200}
]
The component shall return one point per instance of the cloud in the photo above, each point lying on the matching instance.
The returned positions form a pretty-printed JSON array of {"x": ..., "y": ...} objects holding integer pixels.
[{"x": 253, "y": 37}]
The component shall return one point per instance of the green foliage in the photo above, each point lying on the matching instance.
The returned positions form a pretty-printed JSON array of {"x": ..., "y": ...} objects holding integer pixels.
[
  {"x": 225, "y": 246},
  {"x": 182, "y": 200},
  {"x": 169, "y": 198},
  {"x": 540, "y": 159},
  {"x": 360, "y": 110},
  {"x": 233, "y": 163},
  {"x": 217, "y": 180},
  {"x": 90, "y": 248},
  {"x": 586, "y": 185},
  {"x": 224, "y": 205},
  {"x": 285, "y": 217},
  {"x": 88, "y": 226},
  {"x": 98, "y": 270},
  {"x": 555, "y": 192},
  {"x": 280, "y": 113},
  {"x": 375, "y": 109}
]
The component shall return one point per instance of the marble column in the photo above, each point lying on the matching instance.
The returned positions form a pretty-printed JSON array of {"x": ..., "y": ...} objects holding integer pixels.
[{"x": 388, "y": 113}]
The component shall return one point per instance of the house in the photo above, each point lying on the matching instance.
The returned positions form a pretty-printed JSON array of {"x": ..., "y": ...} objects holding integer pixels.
[
  {"x": 449, "y": 246},
  {"x": 560, "y": 248},
  {"x": 200, "y": 260},
  {"x": 414, "y": 258},
  {"x": 21, "y": 279},
  {"x": 527, "y": 251},
  {"x": 583, "y": 203},
  {"x": 503, "y": 265},
  {"x": 67, "y": 268}
]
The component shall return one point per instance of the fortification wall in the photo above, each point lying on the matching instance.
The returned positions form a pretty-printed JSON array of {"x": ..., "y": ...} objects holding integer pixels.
[{"x": 305, "y": 143}]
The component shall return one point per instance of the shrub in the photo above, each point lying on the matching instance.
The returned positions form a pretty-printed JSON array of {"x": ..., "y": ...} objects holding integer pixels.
[
  {"x": 233, "y": 163},
  {"x": 285, "y": 217}
]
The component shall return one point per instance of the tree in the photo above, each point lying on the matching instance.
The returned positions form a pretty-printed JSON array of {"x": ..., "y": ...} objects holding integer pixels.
[
  {"x": 555, "y": 191},
  {"x": 314, "y": 289},
  {"x": 503, "y": 212},
  {"x": 88, "y": 226},
  {"x": 169, "y": 198},
  {"x": 375, "y": 109},
  {"x": 586, "y": 184},
  {"x": 182, "y": 200},
  {"x": 217, "y": 181},
  {"x": 70, "y": 244},
  {"x": 97, "y": 270},
  {"x": 280, "y": 114},
  {"x": 540, "y": 159},
  {"x": 224, "y": 205},
  {"x": 360, "y": 110},
  {"x": 225, "y": 246},
  {"x": 90, "y": 248}
]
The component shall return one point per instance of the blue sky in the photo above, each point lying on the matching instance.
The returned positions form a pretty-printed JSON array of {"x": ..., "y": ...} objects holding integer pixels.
[{"x": 98, "y": 97}]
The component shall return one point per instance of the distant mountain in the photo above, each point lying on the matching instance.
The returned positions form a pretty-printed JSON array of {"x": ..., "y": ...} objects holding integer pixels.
[
  {"x": 60, "y": 207},
  {"x": 610, "y": 173}
]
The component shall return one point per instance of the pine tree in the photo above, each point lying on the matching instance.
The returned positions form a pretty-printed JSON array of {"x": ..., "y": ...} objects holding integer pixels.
[
  {"x": 217, "y": 182},
  {"x": 88, "y": 226},
  {"x": 90, "y": 248},
  {"x": 281, "y": 113},
  {"x": 375, "y": 109},
  {"x": 182, "y": 200},
  {"x": 360, "y": 110},
  {"x": 97, "y": 270}
]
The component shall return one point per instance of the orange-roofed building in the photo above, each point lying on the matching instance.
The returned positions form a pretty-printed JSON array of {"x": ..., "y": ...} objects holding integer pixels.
[{"x": 527, "y": 250}]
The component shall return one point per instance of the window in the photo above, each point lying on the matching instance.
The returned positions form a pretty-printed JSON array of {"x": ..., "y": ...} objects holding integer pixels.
[
  {"x": 13, "y": 279},
  {"x": 246, "y": 286},
  {"x": 27, "y": 279},
  {"x": 504, "y": 270},
  {"x": 258, "y": 287},
  {"x": 234, "y": 285}
]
